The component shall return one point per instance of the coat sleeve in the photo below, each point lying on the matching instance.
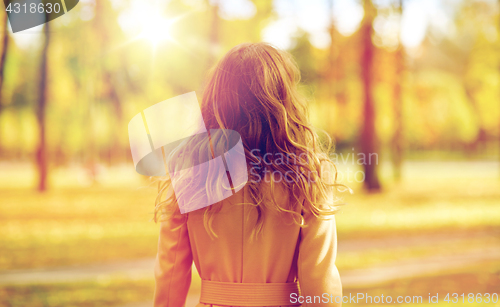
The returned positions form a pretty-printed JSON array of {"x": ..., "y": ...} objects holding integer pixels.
[
  {"x": 173, "y": 263},
  {"x": 317, "y": 272}
]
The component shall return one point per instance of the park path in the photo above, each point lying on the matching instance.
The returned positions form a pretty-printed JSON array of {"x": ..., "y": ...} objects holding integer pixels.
[{"x": 139, "y": 269}]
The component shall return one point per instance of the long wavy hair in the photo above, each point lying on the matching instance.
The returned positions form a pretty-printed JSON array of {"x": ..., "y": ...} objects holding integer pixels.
[{"x": 253, "y": 90}]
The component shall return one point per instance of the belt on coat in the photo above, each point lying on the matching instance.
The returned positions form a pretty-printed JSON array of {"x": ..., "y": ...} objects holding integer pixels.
[{"x": 247, "y": 294}]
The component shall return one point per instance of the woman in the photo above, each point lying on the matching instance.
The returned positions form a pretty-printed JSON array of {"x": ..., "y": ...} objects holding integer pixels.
[{"x": 273, "y": 243}]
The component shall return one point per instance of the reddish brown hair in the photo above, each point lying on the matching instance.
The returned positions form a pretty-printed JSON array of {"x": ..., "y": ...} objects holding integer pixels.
[{"x": 253, "y": 90}]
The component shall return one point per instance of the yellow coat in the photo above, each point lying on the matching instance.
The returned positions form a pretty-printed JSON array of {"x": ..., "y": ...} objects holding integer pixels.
[{"x": 237, "y": 270}]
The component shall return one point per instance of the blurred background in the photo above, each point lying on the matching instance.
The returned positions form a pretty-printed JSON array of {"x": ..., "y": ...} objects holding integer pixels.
[{"x": 413, "y": 86}]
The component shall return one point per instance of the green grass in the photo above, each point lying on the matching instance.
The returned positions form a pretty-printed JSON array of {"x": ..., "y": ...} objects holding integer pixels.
[
  {"x": 105, "y": 292},
  {"x": 78, "y": 223},
  {"x": 380, "y": 256},
  {"x": 75, "y": 224},
  {"x": 69, "y": 226},
  {"x": 389, "y": 213},
  {"x": 432, "y": 197},
  {"x": 483, "y": 278}
]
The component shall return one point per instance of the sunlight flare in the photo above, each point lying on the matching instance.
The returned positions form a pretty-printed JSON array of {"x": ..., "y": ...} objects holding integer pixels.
[{"x": 156, "y": 28}]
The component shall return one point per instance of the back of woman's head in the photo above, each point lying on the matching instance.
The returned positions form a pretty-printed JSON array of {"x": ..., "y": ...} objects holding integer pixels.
[{"x": 253, "y": 90}]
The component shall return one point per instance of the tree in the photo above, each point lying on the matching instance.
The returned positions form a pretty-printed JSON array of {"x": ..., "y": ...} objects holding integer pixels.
[
  {"x": 106, "y": 73},
  {"x": 397, "y": 138},
  {"x": 368, "y": 137},
  {"x": 336, "y": 66},
  {"x": 3, "y": 56},
  {"x": 335, "y": 77},
  {"x": 42, "y": 159},
  {"x": 214, "y": 33},
  {"x": 332, "y": 55}
]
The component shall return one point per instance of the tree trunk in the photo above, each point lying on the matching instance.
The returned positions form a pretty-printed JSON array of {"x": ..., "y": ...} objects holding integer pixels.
[
  {"x": 329, "y": 75},
  {"x": 482, "y": 135},
  {"x": 108, "y": 91},
  {"x": 332, "y": 55},
  {"x": 3, "y": 56},
  {"x": 397, "y": 138},
  {"x": 214, "y": 33},
  {"x": 335, "y": 80},
  {"x": 42, "y": 159},
  {"x": 368, "y": 133}
]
